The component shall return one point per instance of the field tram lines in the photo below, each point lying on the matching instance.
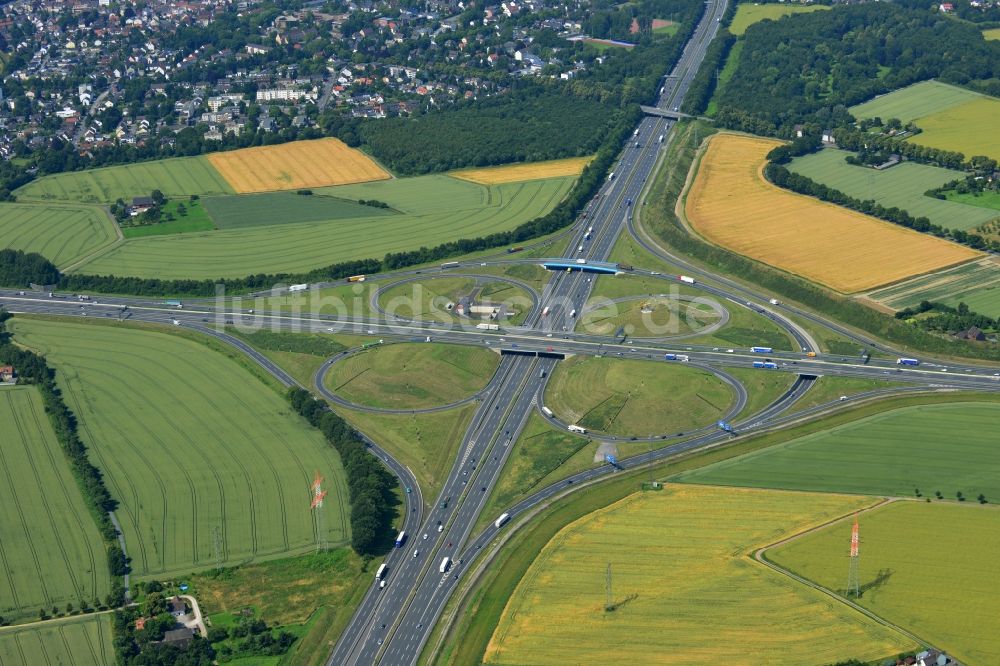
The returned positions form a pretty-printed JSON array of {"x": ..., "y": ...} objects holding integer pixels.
[
  {"x": 20, "y": 512},
  {"x": 3, "y": 554},
  {"x": 70, "y": 569},
  {"x": 129, "y": 509}
]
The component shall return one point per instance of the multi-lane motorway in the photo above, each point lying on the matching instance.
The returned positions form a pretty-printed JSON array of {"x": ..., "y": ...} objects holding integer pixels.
[{"x": 392, "y": 623}]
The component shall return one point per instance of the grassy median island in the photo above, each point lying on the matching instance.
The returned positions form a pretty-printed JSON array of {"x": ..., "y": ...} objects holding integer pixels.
[
  {"x": 196, "y": 451},
  {"x": 436, "y": 299},
  {"x": 641, "y": 398},
  {"x": 412, "y": 375}
]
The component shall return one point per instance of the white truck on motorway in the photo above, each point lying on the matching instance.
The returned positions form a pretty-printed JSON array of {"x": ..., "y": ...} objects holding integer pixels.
[
  {"x": 488, "y": 327},
  {"x": 688, "y": 280},
  {"x": 298, "y": 287},
  {"x": 774, "y": 301},
  {"x": 547, "y": 411},
  {"x": 445, "y": 564},
  {"x": 576, "y": 428},
  {"x": 501, "y": 520}
]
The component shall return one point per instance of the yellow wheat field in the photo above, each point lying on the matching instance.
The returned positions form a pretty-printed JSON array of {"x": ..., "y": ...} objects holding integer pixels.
[
  {"x": 289, "y": 166},
  {"x": 733, "y": 205},
  {"x": 685, "y": 586},
  {"x": 513, "y": 173}
]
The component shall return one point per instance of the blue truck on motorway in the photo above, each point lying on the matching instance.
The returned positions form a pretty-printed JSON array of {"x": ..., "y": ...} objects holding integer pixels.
[
  {"x": 761, "y": 350},
  {"x": 907, "y": 361}
]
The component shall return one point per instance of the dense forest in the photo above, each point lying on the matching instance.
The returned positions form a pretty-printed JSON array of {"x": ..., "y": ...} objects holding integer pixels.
[
  {"x": 525, "y": 125},
  {"x": 811, "y": 67}
]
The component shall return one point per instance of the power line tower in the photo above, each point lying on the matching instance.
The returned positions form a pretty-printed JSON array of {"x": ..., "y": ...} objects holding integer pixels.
[
  {"x": 608, "y": 601},
  {"x": 316, "y": 506},
  {"x": 853, "y": 574}
]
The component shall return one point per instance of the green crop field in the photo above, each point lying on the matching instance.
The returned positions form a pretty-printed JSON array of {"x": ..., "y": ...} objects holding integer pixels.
[
  {"x": 412, "y": 375},
  {"x": 62, "y": 234},
  {"x": 949, "y": 448},
  {"x": 196, "y": 450},
  {"x": 914, "y": 102},
  {"x": 428, "y": 299},
  {"x": 80, "y": 641},
  {"x": 986, "y": 199},
  {"x": 50, "y": 551},
  {"x": 684, "y": 590},
  {"x": 307, "y": 245},
  {"x": 279, "y": 208},
  {"x": 177, "y": 177},
  {"x": 417, "y": 196},
  {"x": 977, "y": 284},
  {"x": 748, "y": 14},
  {"x": 951, "y": 118},
  {"x": 942, "y": 554},
  {"x": 627, "y": 398},
  {"x": 902, "y": 186}
]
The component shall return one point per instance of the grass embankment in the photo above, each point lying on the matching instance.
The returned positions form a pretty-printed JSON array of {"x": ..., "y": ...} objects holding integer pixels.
[
  {"x": 426, "y": 443},
  {"x": 686, "y": 563},
  {"x": 412, "y": 375},
  {"x": 430, "y": 299},
  {"x": 196, "y": 452}
]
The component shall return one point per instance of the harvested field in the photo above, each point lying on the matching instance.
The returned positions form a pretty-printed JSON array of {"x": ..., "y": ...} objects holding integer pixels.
[
  {"x": 731, "y": 204},
  {"x": 747, "y": 14},
  {"x": 294, "y": 165},
  {"x": 977, "y": 284},
  {"x": 513, "y": 173},
  {"x": 685, "y": 591}
]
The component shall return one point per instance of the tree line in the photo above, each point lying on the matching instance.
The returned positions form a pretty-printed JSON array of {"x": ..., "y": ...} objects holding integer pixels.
[
  {"x": 32, "y": 368},
  {"x": 370, "y": 485},
  {"x": 704, "y": 83},
  {"x": 948, "y": 319},
  {"x": 811, "y": 67}
]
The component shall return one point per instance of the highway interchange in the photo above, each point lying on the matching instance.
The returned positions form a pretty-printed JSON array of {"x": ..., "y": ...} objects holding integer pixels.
[{"x": 392, "y": 624}]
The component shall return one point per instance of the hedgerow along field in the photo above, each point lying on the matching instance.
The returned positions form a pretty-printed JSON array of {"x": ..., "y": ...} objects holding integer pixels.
[
  {"x": 513, "y": 173},
  {"x": 293, "y": 165},
  {"x": 195, "y": 450},
  {"x": 304, "y": 246},
  {"x": 731, "y": 204},
  {"x": 176, "y": 177},
  {"x": 687, "y": 557},
  {"x": 977, "y": 284},
  {"x": 412, "y": 375},
  {"x": 627, "y": 398},
  {"x": 748, "y": 14},
  {"x": 951, "y": 118},
  {"x": 81, "y": 641},
  {"x": 62, "y": 234},
  {"x": 949, "y": 448},
  {"x": 902, "y": 186},
  {"x": 945, "y": 554},
  {"x": 51, "y": 552}
]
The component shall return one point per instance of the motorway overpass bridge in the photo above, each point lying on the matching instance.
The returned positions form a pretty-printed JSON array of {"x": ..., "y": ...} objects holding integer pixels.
[{"x": 664, "y": 113}]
